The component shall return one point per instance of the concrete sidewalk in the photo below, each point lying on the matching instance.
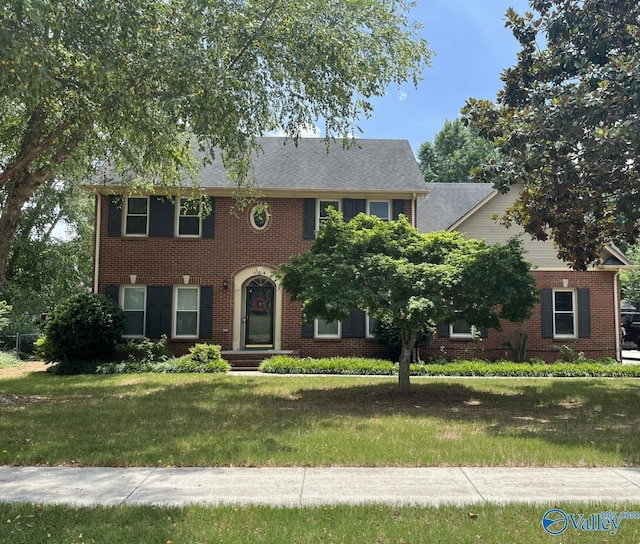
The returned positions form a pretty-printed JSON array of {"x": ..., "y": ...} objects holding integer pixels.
[{"x": 294, "y": 487}]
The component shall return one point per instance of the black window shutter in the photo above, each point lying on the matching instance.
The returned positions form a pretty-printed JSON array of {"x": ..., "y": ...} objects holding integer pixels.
[
  {"x": 443, "y": 330},
  {"x": 484, "y": 333},
  {"x": 206, "y": 311},
  {"x": 352, "y": 207},
  {"x": 547, "y": 313},
  {"x": 209, "y": 221},
  {"x": 398, "y": 208},
  {"x": 354, "y": 325},
  {"x": 306, "y": 330},
  {"x": 158, "y": 311},
  {"x": 162, "y": 217},
  {"x": 113, "y": 292},
  {"x": 114, "y": 223},
  {"x": 309, "y": 220},
  {"x": 584, "y": 313}
]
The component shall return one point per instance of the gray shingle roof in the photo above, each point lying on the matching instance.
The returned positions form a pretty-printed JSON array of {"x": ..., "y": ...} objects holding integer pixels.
[
  {"x": 446, "y": 203},
  {"x": 369, "y": 165}
]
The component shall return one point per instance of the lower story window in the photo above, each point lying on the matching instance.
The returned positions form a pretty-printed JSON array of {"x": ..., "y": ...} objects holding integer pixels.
[
  {"x": 186, "y": 306},
  {"x": 564, "y": 314},
  {"x": 461, "y": 329},
  {"x": 327, "y": 329},
  {"x": 133, "y": 302}
]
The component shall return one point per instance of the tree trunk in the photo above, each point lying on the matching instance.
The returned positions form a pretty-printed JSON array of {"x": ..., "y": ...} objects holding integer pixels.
[
  {"x": 19, "y": 191},
  {"x": 408, "y": 339}
]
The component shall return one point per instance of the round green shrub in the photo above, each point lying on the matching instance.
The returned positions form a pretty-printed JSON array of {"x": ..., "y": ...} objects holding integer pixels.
[{"x": 81, "y": 332}]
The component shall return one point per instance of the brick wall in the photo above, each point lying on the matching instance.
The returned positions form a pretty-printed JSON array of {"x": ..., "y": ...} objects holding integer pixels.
[
  {"x": 601, "y": 343},
  {"x": 235, "y": 247}
]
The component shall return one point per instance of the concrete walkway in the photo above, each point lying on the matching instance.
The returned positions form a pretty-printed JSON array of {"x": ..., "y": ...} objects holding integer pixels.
[{"x": 295, "y": 487}]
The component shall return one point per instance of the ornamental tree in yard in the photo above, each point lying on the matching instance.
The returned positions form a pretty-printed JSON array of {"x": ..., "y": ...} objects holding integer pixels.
[
  {"x": 566, "y": 125},
  {"x": 414, "y": 280},
  {"x": 151, "y": 86}
]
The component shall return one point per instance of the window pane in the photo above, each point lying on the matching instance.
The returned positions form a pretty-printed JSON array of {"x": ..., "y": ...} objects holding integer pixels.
[
  {"x": 325, "y": 204},
  {"x": 379, "y": 209},
  {"x": 189, "y": 226},
  {"x": 189, "y": 207},
  {"x": 461, "y": 327},
  {"x": 326, "y": 328},
  {"x": 564, "y": 324},
  {"x": 187, "y": 300},
  {"x": 133, "y": 298},
  {"x": 564, "y": 301},
  {"x": 136, "y": 224},
  {"x": 186, "y": 323},
  {"x": 137, "y": 206},
  {"x": 134, "y": 323}
]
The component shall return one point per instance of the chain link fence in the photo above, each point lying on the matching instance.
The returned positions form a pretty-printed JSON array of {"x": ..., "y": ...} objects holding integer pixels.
[{"x": 22, "y": 343}]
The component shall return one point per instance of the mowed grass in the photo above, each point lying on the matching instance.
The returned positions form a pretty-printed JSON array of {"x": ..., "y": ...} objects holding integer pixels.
[
  {"x": 204, "y": 420},
  {"x": 516, "y": 523}
]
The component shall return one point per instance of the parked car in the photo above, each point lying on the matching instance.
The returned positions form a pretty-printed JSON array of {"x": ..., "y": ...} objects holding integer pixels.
[{"x": 631, "y": 327}]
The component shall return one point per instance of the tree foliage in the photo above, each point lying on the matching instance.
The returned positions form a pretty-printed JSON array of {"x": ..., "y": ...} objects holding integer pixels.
[
  {"x": 51, "y": 253},
  {"x": 566, "y": 124},
  {"x": 456, "y": 151},
  {"x": 409, "y": 279},
  {"x": 149, "y": 85},
  {"x": 630, "y": 279}
]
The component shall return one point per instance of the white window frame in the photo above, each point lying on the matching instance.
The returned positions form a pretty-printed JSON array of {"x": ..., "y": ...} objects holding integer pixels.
[
  {"x": 126, "y": 215},
  {"x": 462, "y": 335},
  {"x": 335, "y": 202},
  {"x": 123, "y": 290},
  {"x": 180, "y": 215},
  {"x": 370, "y": 325},
  {"x": 573, "y": 312},
  {"x": 177, "y": 289},
  {"x": 317, "y": 334},
  {"x": 387, "y": 202}
]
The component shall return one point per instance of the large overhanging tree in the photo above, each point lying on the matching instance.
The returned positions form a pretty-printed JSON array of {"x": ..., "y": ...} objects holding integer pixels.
[
  {"x": 566, "y": 124},
  {"x": 145, "y": 83},
  {"x": 409, "y": 279}
]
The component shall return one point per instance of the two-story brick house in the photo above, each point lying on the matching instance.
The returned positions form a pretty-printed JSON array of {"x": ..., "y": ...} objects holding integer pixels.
[{"x": 213, "y": 279}]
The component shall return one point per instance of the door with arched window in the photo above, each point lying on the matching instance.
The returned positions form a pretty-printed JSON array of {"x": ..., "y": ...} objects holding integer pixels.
[{"x": 259, "y": 313}]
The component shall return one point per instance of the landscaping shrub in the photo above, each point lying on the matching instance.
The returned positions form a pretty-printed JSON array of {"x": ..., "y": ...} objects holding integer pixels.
[
  {"x": 204, "y": 358},
  {"x": 283, "y": 364},
  {"x": 144, "y": 350},
  {"x": 81, "y": 332}
]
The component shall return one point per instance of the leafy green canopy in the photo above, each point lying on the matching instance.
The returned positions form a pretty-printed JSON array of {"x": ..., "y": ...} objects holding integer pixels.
[
  {"x": 412, "y": 280},
  {"x": 566, "y": 124},
  {"x": 456, "y": 151},
  {"x": 146, "y": 84}
]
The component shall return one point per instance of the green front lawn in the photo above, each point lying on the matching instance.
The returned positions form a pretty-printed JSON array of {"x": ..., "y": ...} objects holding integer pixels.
[{"x": 218, "y": 420}]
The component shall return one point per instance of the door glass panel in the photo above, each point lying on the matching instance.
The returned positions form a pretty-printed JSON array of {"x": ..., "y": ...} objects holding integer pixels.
[{"x": 259, "y": 313}]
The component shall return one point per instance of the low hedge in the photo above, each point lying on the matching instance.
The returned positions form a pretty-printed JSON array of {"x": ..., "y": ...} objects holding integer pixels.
[{"x": 283, "y": 364}]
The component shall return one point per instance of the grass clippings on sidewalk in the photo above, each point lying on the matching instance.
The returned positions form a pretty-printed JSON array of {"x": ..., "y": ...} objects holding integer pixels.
[{"x": 202, "y": 420}]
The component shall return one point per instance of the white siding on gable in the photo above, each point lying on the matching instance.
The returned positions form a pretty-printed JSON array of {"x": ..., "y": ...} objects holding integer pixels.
[{"x": 482, "y": 224}]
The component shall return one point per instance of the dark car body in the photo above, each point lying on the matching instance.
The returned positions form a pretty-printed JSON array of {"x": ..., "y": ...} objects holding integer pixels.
[{"x": 631, "y": 327}]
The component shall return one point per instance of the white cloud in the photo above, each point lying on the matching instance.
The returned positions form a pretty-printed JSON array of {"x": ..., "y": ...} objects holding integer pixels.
[
  {"x": 402, "y": 96},
  {"x": 306, "y": 131}
]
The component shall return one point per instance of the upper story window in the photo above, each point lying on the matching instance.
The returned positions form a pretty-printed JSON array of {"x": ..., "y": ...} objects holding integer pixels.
[
  {"x": 323, "y": 206},
  {"x": 137, "y": 216},
  {"x": 133, "y": 300},
  {"x": 189, "y": 217},
  {"x": 186, "y": 304},
  {"x": 564, "y": 313},
  {"x": 380, "y": 208},
  {"x": 326, "y": 329},
  {"x": 260, "y": 216}
]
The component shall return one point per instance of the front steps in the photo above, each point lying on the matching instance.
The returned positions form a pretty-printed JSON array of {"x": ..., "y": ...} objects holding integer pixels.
[{"x": 249, "y": 360}]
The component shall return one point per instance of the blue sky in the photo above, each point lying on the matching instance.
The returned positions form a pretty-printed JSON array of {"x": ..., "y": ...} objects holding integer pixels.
[{"x": 472, "y": 48}]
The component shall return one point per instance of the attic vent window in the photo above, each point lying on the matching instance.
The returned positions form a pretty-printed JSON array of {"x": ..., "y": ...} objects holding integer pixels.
[{"x": 260, "y": 216}]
